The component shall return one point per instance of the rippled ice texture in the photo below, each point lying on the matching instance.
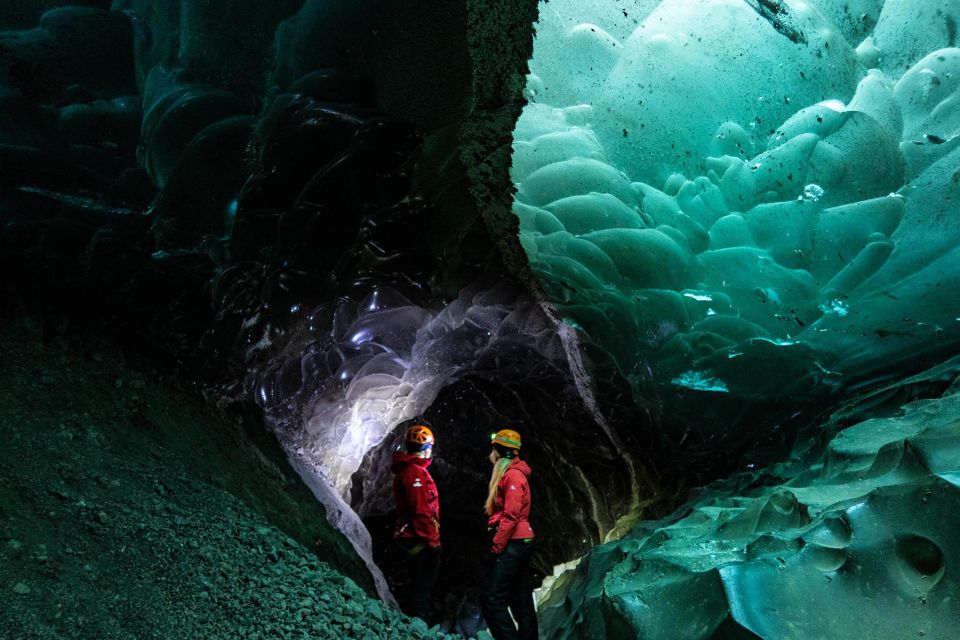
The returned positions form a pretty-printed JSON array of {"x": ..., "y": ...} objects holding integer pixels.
[
  {"x": 383, "y": 360},
  {"x": 756, "y": 194},
  {"x": 859, "y": 542}
]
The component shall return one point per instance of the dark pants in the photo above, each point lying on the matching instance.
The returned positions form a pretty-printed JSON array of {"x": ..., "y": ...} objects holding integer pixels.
[
  {"x": 509, "y": 585},
  {"x": 423, "y": 564}
]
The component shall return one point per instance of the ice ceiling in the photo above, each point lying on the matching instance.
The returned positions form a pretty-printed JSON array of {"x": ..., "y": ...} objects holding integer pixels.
[
  {"x": 754, "y": 198},
  {"x": 758, "y": 201}
]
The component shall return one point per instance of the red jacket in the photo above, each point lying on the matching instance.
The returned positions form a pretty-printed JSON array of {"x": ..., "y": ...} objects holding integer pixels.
[
  {"x": 511, "y": 511},
  {"x": 415, "y": 495}
]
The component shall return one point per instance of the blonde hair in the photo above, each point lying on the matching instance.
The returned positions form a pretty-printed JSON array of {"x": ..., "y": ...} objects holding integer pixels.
[{"x": 499, "y": 468}]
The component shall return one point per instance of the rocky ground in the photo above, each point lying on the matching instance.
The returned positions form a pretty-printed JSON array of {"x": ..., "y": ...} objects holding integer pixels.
[{"x": 130, "y": 509}]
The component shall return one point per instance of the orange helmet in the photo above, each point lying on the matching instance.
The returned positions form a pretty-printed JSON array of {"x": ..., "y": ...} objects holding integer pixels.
[
  {"x": 420, "y": 435},
  {"x": 507, "y": 438}
]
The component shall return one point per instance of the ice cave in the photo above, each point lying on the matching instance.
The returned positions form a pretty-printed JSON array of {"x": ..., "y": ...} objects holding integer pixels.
[{"x": 702, "y": 254}]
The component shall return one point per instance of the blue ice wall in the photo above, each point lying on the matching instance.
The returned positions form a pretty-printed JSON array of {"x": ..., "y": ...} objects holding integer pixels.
[
  {"x": 750, "y": 205},
  {"x": 750, "y": 199}
]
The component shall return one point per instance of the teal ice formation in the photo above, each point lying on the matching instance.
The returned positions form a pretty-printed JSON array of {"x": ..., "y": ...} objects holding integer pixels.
[
  {"x": 753, "y": 198},
  {"x": 755, "y": 202},
  {"x": 856, "y": 540}
]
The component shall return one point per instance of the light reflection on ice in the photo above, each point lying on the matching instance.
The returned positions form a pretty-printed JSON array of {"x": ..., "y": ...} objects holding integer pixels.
[
  {"x": 836, "y": 306},
  {"x": 812, "y": 192},
  {"x": 700, "y": 381},
  {"x": 384, "y": 361},
  {"x": 835, "y": 105}
]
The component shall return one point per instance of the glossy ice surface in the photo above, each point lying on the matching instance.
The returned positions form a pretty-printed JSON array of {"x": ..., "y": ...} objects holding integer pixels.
[
  {"x": 758, "y": 194},
  {"x": 754, "y": 204}
]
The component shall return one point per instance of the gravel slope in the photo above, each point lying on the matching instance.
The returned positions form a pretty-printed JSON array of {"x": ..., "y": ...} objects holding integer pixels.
[{"x": 128, "y": 509}]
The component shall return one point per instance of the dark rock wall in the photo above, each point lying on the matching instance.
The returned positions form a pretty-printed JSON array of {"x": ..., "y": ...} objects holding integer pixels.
[{"x": 500, "y": 38}]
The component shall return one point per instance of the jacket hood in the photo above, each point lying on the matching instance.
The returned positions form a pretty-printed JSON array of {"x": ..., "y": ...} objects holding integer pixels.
[
  {"x": 401, "y": 459},
  {"x": 521, "y": 466}
]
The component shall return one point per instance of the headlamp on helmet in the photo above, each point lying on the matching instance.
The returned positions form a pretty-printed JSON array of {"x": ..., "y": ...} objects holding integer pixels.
[{"x": 506, "y": 438}]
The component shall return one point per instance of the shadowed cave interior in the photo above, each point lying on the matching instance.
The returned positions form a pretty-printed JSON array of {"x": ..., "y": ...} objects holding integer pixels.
[{"x": 700, "y": 253}]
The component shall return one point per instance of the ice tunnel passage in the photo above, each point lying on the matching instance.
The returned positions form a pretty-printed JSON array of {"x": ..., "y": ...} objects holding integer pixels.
[{"x": 731, "y": 248}]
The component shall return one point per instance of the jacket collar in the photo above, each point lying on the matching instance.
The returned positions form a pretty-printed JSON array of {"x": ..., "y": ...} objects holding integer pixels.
[
  {"x": 402, "y": 459},
  {"x": 519, "y": 465}
]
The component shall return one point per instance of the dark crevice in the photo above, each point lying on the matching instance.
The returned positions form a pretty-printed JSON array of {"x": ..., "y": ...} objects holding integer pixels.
[{"x": 777, "y": 14}]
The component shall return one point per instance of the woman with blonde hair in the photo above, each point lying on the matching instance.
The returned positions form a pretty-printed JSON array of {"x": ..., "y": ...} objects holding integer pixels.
[{"x": 508, "y": 508}]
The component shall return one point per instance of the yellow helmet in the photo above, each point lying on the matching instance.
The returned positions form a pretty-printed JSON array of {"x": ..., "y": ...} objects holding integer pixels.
[
  {"x": 507, "y": 438},
  {"x": 420, "y": 435}
]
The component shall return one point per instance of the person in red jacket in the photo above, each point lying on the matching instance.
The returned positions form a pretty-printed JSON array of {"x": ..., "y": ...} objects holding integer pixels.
[
  {"x": 508, "y": 508},
  {"x": 417, "y": 529}
]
